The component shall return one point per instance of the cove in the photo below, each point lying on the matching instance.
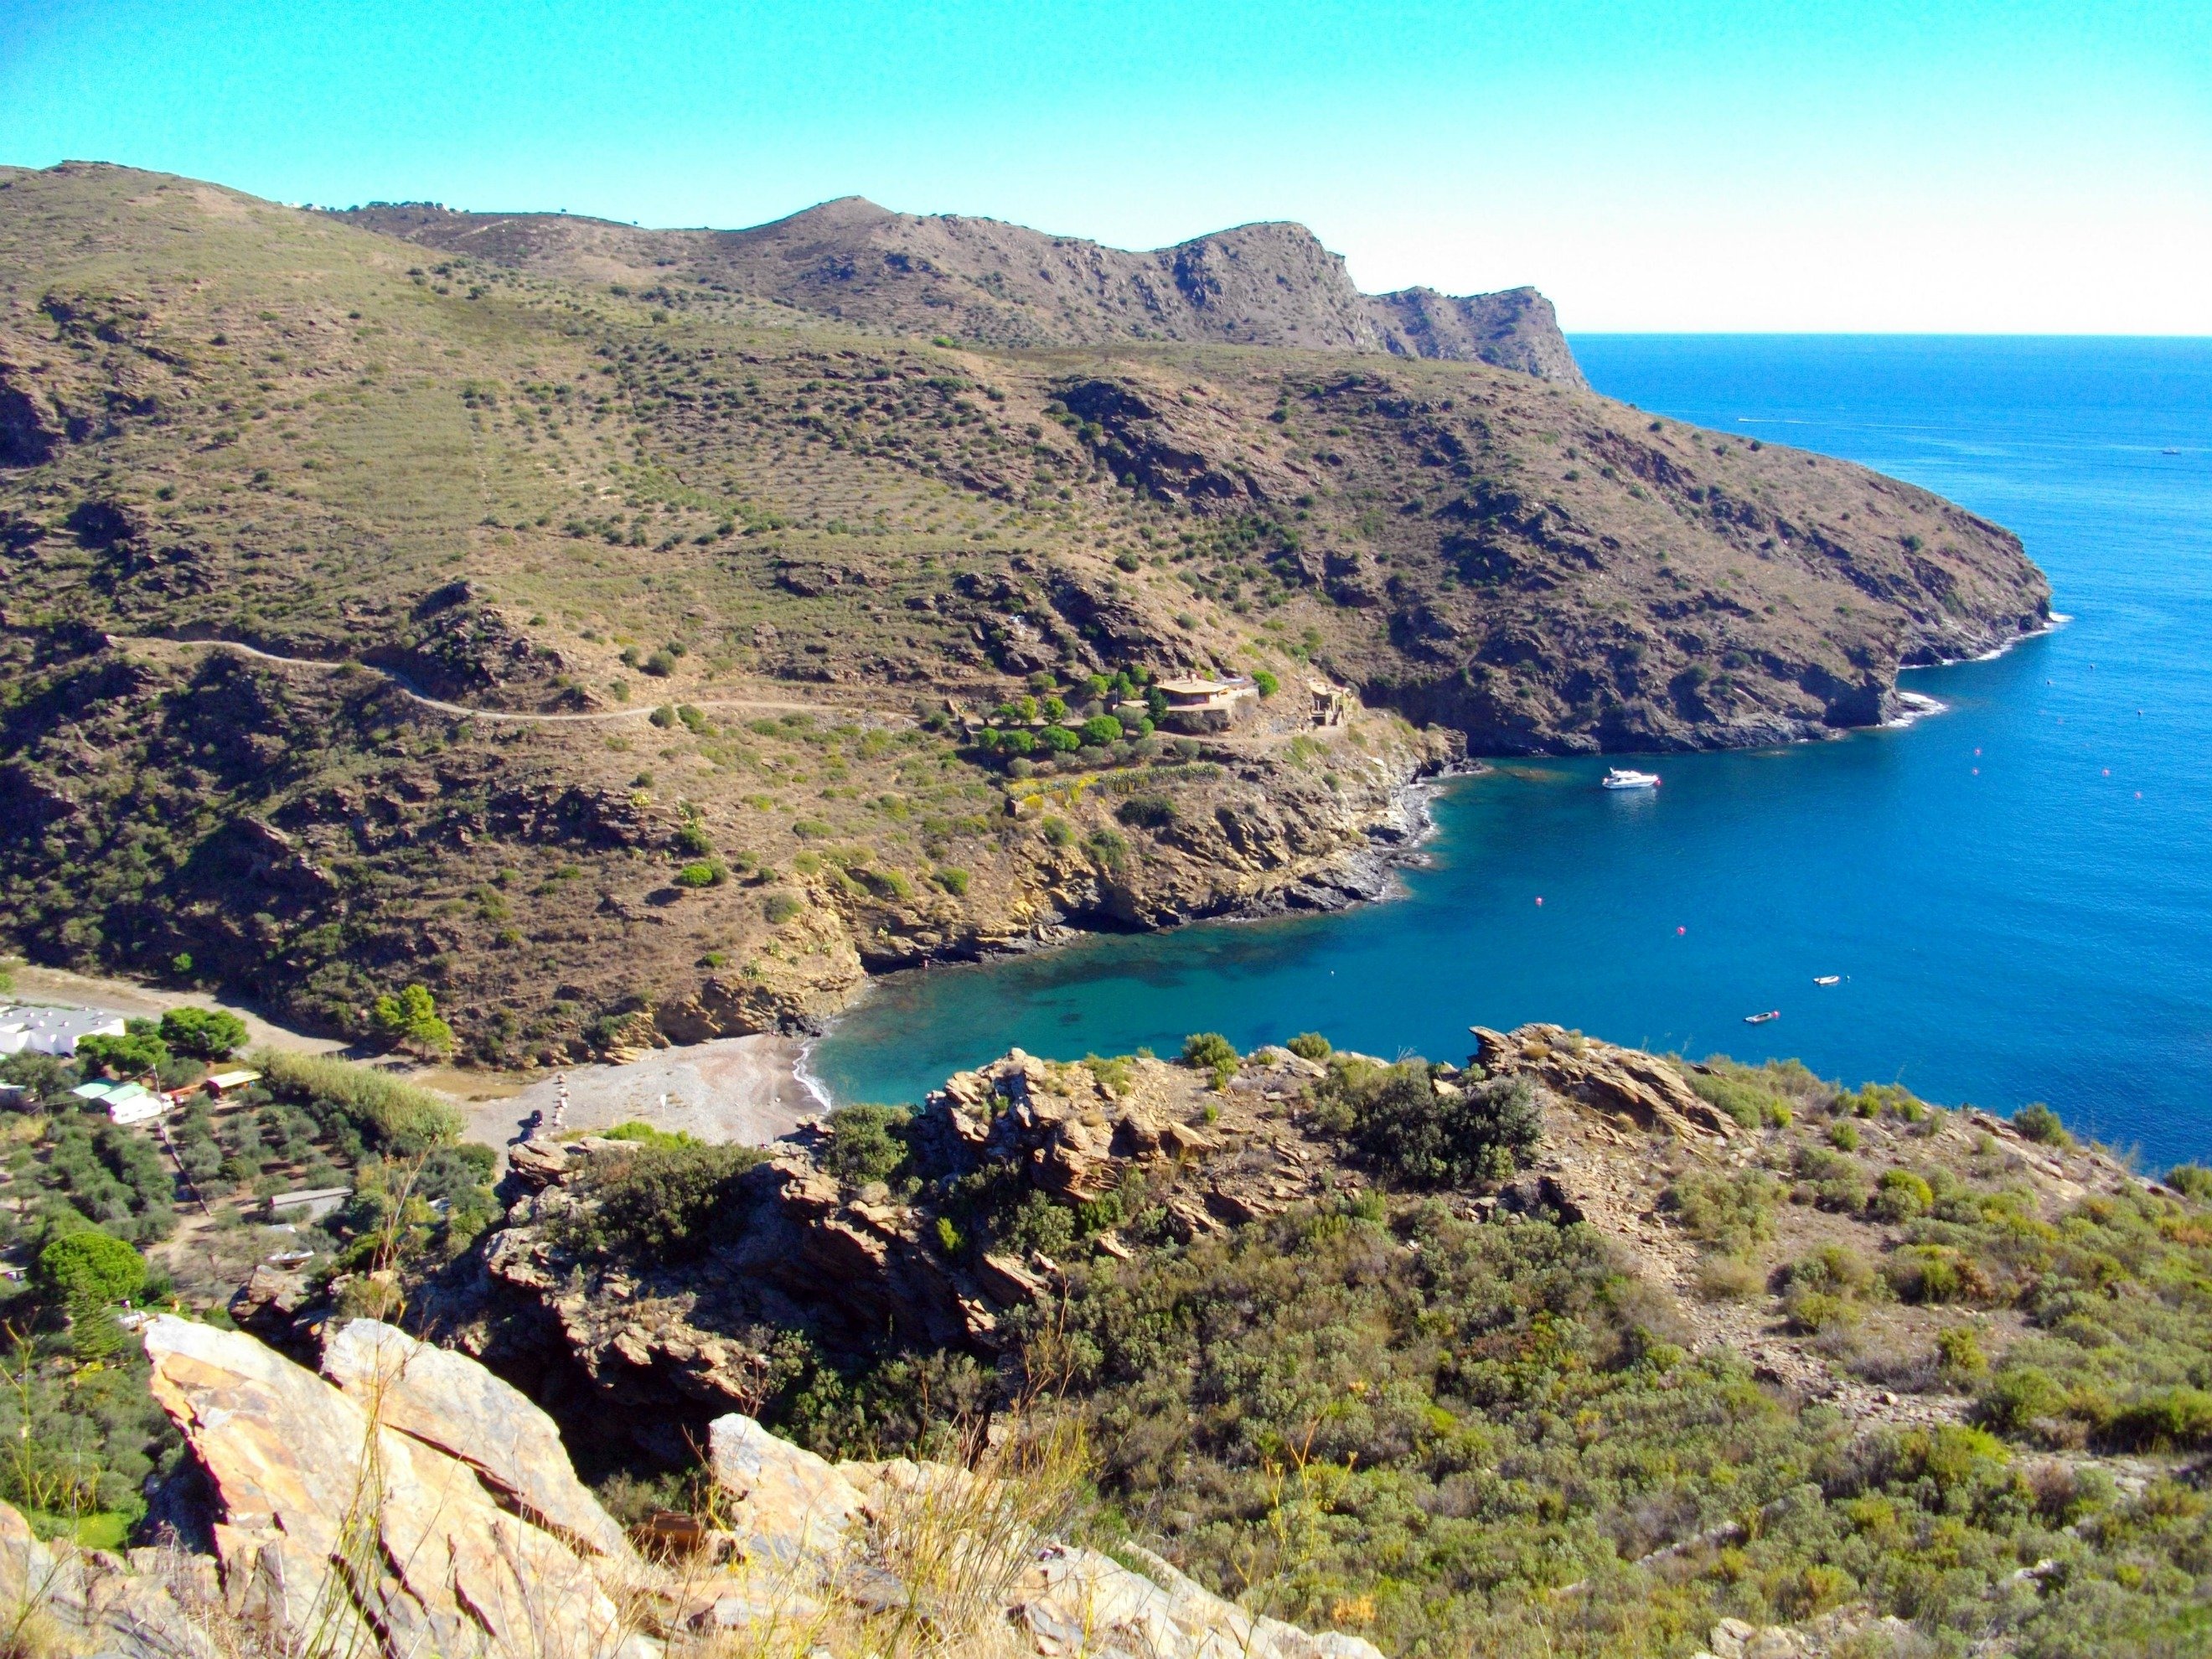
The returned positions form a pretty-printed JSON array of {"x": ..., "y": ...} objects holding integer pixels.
[{"x": 2016, "y": 893}]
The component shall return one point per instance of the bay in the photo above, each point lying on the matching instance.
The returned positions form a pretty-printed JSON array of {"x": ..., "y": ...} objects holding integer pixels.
[{"x": 2016, "y": 893}]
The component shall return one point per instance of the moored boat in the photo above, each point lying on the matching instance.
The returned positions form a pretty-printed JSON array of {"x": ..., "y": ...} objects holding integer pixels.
[
  {"x": 1623, "y": 777},
  {"x": 1761, "y": 1019}
]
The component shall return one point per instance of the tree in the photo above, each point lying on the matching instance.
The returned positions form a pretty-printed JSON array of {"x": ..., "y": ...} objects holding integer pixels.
[
  {"x": 131, "y": 1055},
  {"x": 88, "y": 1270},
  {"x": 203, "y": 1033},
  {"x": 412, "y": 1018},
  {"x": 1101, "y": 729}
]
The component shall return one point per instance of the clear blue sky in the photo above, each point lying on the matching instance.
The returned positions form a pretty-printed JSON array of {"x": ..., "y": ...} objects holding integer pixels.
[{"x": 1942, "y": 165}]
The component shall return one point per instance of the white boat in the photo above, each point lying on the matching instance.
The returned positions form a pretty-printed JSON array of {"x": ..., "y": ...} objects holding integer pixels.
[
  {"x": 1622, "y": 777},
  {"x": 1827, "y": 979}
]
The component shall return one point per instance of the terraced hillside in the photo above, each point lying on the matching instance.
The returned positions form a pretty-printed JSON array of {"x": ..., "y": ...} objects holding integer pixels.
[{"x": 769, "y": 559}]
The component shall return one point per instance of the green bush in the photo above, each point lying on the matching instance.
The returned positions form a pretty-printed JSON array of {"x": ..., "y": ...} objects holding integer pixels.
[
  {"x": 1107, "y": 848},
  {"x": 952, "y": 878},
  {"x": 1844, "y": 1135},
  {"x": 663, "y": 717},
  {"x": 1100, "y": 730},
  {"x": 1057, "y": 832},
  {"x": 656, "y": 1204},
  {"x": 2191, "y": 1180},
  {"x": 412, "y": 1018},
  {"x": 395, "y": 1117},
  {"x": 133, "y": 1054},
  {"x": 704, "y": 872},
  {"x": 1900, "y": 1195},
  {"x": 1267, "y": 683},
  {"x": 1146, "y": 812},
  {"x": 1209, "y": 1051},
  {"x": 2169, "y": 1420},
  {"x": 780, "y": 908},
  {"x": 203, "y": 1033},
  {"x": 866, "y": 1143},
  {"x": 1061, "y": 741},
  {"x": 1309, "y": 1045},
  {"x": 1731, "y": 1213},
  {"x": 693, "y": 842},
  {"x": 1416, "y": 1136},
  {"x": 2038, "y": 1122}
]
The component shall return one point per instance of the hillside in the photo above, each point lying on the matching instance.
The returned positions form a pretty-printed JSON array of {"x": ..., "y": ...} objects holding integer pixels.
[
  {"x": 1568, "y": 1349},
  {"x": 628, "y": 652},
  {"x": 989, "y": 284}
]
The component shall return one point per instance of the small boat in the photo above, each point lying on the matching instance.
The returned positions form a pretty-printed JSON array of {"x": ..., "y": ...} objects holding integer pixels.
[
  {"x": 1761, "y": 1019},
  {"x": 2169, "y": 451},
  {"x": 1827, "y": 979},
  {"x": 1622, "y": 777}
]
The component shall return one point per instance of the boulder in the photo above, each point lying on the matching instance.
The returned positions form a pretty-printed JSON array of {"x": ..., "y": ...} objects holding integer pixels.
[
  {"x": 1619, "y": 1082},
  {"x": 339, "y": 1531},
  {"x": 449, "y": 1401},
  {"x": 789, "y": 1503}
]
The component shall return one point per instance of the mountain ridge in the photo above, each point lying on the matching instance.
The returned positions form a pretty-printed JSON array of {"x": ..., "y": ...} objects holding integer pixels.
[{"x": 1268, "y": 282}]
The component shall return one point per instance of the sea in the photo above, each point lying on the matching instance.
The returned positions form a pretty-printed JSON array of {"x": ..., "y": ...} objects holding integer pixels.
[{"x": 2014, "y": 894}]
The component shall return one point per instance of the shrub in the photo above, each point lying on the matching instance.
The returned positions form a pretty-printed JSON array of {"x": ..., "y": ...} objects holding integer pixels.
[
  {"x": 1835, "y": 1181},
  {"x": 661, "y": 665},
  {"x": 2190, "y": 1180},
  {"x": 780, "y": 908},
  {"x": 866, "y": 1143},
  {"x": 1937, "y": 1272},
  {"x": 663, "y": 717},
  {"x": 1309, "y": 1045},
  {"x": 1146, "y": 812},
  {"x": 1844, "y": 1135},
  {"x": 705, "y": 872},
  {"x": 693, "y": 842},
  {"x": 952, "y": 878},
  {"x": 397, "y": 1116},
  {"x": 1267, "y": 683},
  {"x": 1417, "y": 1136},
  {"x": 2018, "y": 1395},
  {"x": 203, "y": 1033},
  {"x": 1730, "y": 1212},
  {"x": 2170, "y": 1419},
  {"x": 1100, "y": 730},
  {"x": 1958, "y": 1352},
  {"x": 2038, "y": 1122},
  {"x": 656, "y": 1204},
  {"x": 1057, "y": 832},
  {"x": 1106, "y": 845},
  {"x": 1726, "y": 1278},
  {"x": 1209, "y": 1051},
  {"x": 1061, "y": 740},
  {"x": 412, "y": 1018},
  {"x": 1900, "y": 1195}
]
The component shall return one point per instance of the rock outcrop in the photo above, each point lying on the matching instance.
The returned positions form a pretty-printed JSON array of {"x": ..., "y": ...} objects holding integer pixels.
[{"x": 339, "y": 1517}]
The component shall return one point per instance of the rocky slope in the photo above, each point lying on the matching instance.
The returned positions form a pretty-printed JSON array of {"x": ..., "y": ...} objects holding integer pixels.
[
  {"x": 406, "y": 1501},
  {"x": 1003, "y": 285},
  {"x": 612, "y": 658},
  {"x": 1572, "y": 1341}
]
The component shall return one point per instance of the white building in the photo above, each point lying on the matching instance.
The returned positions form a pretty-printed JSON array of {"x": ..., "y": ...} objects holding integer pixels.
[{"x": 53, "y": 1030}]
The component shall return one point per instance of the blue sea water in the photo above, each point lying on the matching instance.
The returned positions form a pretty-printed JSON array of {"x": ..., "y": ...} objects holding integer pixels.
[{"x": 2017, "y": 892}]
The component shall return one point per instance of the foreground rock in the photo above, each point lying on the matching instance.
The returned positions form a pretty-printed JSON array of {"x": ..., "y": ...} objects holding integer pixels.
[
  {"x": 339, "y": 1520},
  {"x": 836, "y": 1527}
]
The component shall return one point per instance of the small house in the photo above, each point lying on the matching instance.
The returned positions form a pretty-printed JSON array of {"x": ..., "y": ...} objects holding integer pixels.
[
  {"x": 54, "y": 1030},
  {"x": 1200, "y": 704},
  {"x": 132, "y": 1103}
]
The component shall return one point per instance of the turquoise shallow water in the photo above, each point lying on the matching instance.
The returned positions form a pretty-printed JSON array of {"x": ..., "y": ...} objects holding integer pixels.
[{"x": 2032, "y": 922}]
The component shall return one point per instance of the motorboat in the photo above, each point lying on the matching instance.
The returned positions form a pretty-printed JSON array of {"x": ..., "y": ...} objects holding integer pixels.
[
  {"x": 1623, "y": 777},
  {"x": 1827, "y": 979},
  {"x": 1761, "y": 1019}
]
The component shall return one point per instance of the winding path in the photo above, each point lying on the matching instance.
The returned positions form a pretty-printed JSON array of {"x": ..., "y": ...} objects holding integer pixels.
[{"x": 151, "y": 647}]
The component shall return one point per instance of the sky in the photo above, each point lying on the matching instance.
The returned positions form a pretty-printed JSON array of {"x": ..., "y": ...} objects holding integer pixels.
[{"x": 1947, "y": 165}]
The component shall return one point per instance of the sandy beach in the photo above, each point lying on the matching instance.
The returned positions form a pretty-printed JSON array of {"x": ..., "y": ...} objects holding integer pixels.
[{"x": 742, "y": 1089}]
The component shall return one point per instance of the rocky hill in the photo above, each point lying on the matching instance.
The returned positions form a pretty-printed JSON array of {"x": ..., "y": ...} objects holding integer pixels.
[
  {"x": 1570, "y": 1348},
  {"x": 644, "y": 659},
  {"x": 990, "y": 283}
]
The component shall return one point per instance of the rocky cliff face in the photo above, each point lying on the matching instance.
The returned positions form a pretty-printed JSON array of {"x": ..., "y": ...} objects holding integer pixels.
[
  {"x": 408, "y": 1502},
  {"x": 1001, "y": 284}
]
